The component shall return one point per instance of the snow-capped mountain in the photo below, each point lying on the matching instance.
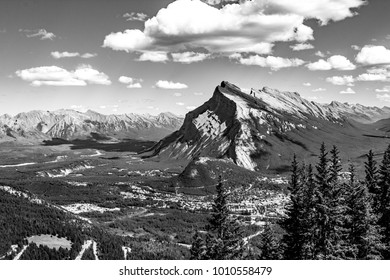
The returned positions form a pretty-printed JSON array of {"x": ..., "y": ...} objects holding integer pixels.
[
  {"x": 69, "y": 124},
  {"x": 360, "y": 113},
  {"x": 262, "y": 130}
]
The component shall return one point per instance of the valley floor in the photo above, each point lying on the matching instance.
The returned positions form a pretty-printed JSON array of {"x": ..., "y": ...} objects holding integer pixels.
[{"x": 136, "y": 200}]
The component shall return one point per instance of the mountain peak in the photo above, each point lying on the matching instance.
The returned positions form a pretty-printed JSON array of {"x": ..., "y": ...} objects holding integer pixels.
[{"x": 257, "y": 130}]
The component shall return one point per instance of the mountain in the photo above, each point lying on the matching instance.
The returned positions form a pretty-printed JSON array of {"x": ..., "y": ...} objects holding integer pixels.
[
  {"x": 262, "y": 130},
  {"x": 359, "y": 112},
  {"x": 70, "y": 124}
]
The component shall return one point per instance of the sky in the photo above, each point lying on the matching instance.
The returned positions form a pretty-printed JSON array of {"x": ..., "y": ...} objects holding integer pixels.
[{"x": 138, "y": 56}]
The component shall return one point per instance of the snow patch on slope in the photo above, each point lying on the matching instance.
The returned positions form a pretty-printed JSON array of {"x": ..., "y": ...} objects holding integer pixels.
[
  {"x": 21, "y": 194},
  {"x": 78, "y": 208}
]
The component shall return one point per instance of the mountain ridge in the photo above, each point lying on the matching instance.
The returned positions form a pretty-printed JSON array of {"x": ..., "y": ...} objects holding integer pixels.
[
  {"x": 263, "y": 129},
  {"x": 69, "y": 124}
]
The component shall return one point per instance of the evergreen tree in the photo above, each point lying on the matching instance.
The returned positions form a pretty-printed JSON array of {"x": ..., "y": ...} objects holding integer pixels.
[
  {"x": 371, "y": 180},
  {"x": 384, "y": 198},
  {"x": 330, "y": 207},
  {"x": 309, "y": 223},
  {"x": 198, "y": 248},
  {"x": 335, "y": 166},
  {"x": 269, "y": 246},
  {"x": 364, "y": 236},
  {"x": 224, "y": 240},
  {"x": 371, "y": 172},
  {"x": 293, "y": 239},
  {"x": 322, "y": 249}
]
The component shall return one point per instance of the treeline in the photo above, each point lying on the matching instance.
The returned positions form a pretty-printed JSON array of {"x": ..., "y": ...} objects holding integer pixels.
[
  {"x": 20, "y": 218},
  {"x": 331, "y": 217}
]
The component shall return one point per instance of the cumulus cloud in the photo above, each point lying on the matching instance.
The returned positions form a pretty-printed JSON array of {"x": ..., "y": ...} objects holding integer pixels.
[
  {"x": 319, "y": 89},
  {"x": 240, "y": 26},
  {"x": 275, "y": 63},
  {"x": 337, "y": 62},
  {"x": 56, "y": 76},
  {"x": 372, "y": 55},
  {"x": 177, "y": 94},
  {"x": 302, "y": 46},
  {"x": 198, "y": 93},
  {"x": 170, "y": 85},
  {"x": 191, "y": 107},
  {"x": 341, "y": 81},
  {"x": 133, "y": 16},
  {"x": 58, "y": 55},
  {"x": 188, "y": 24},
  {"x": 189, "y": 57},
  {"x": 154, "y": 56},
  {"x": 348, "y": 91},
  {"x": 40, "y": 33},
  {"x": 307, "y": 84},
  {"x": 130, "y": 82},
  {"x": 90, "y": 75},
  {"x": 180, "y": 103}
]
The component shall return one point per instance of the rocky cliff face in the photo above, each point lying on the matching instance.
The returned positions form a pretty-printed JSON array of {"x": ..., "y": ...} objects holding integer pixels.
[
  {"x": 70, "y": 124},
  {"x": 260, "y": 130}
]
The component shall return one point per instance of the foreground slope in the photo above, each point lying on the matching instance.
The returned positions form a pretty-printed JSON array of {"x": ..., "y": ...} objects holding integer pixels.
[{"x": 262, "y": 130}]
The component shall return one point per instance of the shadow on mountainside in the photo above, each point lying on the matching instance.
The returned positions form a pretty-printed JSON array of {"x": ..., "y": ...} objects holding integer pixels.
[{"x": 125, "y": 145}]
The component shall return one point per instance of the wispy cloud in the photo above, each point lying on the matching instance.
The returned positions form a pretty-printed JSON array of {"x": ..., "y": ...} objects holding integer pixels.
[
  {"x": 40, "y": 33},
  {"x": 189, "y": 57},
  {"x": 348, "y": 91},
  {"x": 133, "y": 16},
  {"x": 384, "y": 97},
  {"x": 58, "y": 55},
  {"x": 384, "y": 89},
  {"x": 302, "y": 46},
  {"x": 319, "y": 89}
]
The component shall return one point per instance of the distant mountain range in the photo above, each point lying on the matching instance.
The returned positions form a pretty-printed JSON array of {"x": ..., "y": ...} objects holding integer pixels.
[
  {"x": 263, "y": 129},
  {"x": 71, "y": 124}
]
